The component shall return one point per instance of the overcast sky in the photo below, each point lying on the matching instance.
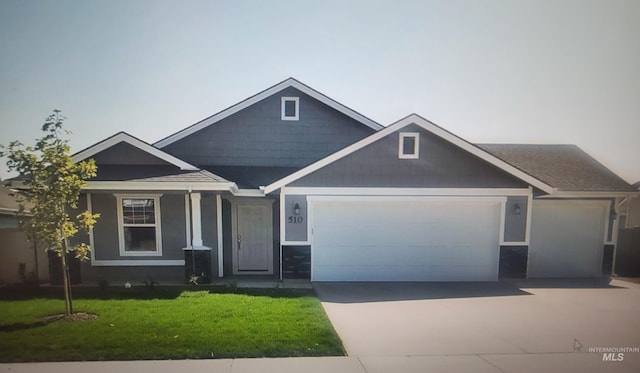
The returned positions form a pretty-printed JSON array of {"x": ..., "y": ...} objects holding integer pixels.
[{"x": 489, "y": 71}]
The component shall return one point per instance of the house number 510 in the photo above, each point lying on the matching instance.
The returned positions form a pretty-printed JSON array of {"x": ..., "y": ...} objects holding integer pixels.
[{"x": 295, "y": 219}]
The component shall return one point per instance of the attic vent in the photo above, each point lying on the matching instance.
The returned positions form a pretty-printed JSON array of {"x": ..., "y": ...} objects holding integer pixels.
[
  {"x": 409, "y": 145},
  {"x": 290, "y": 109}
]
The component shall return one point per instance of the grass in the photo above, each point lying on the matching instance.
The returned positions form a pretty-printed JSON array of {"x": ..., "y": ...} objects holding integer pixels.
[{"x": 166, "y": 323}]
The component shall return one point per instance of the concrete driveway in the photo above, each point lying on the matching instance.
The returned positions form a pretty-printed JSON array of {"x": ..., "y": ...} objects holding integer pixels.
[{"x": 545, "y": 324}]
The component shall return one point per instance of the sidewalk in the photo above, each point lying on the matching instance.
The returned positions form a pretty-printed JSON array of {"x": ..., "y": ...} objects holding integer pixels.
[{"x": 551, "y": 362}]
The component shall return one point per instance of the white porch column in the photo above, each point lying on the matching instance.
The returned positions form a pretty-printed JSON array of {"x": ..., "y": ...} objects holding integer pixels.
[
  {"x": 220, "y": 241},
  {"x": 196, "y": 220}
]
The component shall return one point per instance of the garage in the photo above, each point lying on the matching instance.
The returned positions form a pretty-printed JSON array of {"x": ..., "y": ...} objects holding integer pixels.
[
  {"x": 567, "y": 238},
  {"x": 405, "y": 238}
]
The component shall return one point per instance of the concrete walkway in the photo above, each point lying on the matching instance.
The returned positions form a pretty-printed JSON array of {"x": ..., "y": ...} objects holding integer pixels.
[
  {"x": 552, "y": 362},
  {"x": 500, "y": 327}
]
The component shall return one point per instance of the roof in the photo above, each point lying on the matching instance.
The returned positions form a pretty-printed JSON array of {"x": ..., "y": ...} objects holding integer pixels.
[
  {"x": 565, "y": 167},
  {"x": 134, "y": 141},
  {"x": 291, "y": 82},
  {"x": 427, "y": 125}
]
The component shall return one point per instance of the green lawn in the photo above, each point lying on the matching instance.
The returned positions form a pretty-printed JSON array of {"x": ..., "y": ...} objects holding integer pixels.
[{"x": 166, "y": 324}]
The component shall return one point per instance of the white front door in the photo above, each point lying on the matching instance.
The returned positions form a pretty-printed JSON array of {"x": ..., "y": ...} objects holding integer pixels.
[{"x": 253, "y": 249}]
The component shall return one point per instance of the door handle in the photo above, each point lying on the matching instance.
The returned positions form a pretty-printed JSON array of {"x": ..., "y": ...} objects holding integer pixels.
[{"x": 239, "y": 241}]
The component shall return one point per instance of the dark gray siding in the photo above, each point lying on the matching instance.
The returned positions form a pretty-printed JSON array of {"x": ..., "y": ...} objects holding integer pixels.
[
  {"x": 174, "y": 236},
  {"x": 515, "y": 225},
  {"x": 440, "y": 165},
  {"x": 126, "y": 154},
  {"x": 257, "y": 136},
  {"x": 129, "y": 172},
  {"x": 105, "y": 232},
  {"x": 210, "y": 229}
]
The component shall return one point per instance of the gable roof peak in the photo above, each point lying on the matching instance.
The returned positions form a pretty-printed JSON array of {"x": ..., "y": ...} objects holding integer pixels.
[
  {"x": 133, "y": 141},
  {"x": 289, "y": 82}
]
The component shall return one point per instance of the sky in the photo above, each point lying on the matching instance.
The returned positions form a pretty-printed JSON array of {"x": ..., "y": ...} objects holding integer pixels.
[{"x": 490, "y": 71}]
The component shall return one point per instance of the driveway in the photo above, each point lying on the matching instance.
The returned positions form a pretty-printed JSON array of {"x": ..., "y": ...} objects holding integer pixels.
[{"x": 491, "y": 323}]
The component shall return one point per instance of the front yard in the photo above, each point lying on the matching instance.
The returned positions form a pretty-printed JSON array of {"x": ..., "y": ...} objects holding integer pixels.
[{"x": 166, "y": 323}]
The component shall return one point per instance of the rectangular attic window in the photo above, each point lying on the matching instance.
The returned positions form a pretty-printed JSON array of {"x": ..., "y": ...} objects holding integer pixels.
[
  {"x": 290, "y": 108},
  {"x": 409, "y": 145}
]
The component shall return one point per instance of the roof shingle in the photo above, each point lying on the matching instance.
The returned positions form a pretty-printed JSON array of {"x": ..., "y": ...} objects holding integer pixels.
[{"x": 565, "y": 167}]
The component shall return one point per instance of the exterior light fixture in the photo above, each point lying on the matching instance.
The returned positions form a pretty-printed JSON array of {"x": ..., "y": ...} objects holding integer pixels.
[
  {"x": 516, "y": 209},
  {"x": 296, "y": 209}
]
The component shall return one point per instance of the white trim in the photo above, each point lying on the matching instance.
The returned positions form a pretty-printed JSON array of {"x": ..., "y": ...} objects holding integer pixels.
[
  {"x": 220, "y": 235},
  {"x": 416, "y": 145},
  {"x": 419, "y": 121},
  {"x": 291, "y": 243},
  {"x": 247, "y": 192},
  {"x": 406, "y": 198},
  {"x": 503, "y": 221},
  {"x": 145, "y": 147},
  {"x": 283, "y": 105},
  {"x": 527, "y": 232},
  {"x": 282, "y": 229},
  {"x": 157, "y": 225},
  {"x": 261, "y": 96},
  {"x": 569, "y": 194},
  {"x": 137, "y": 263},
  {"x": 408, "y": 191},
  {"x": 187, "y": 215},
  {"x": 196, "y": 219},
  {"x": 91, "y": 237},
  {"x": 157, "y": 185}
]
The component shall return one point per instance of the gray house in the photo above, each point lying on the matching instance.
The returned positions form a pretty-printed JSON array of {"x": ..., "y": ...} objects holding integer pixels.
[{"x": 290, "y": 183}]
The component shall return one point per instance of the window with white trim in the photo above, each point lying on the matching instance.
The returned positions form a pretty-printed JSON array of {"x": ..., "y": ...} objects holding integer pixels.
[
  {"x": 290, "y": 109},
  {"x": 139, "y": 225},
  {"x": 409, "y": 145}
]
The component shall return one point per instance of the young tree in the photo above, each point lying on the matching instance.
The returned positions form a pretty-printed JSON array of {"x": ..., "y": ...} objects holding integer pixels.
[{"x": 51, "y": 184}]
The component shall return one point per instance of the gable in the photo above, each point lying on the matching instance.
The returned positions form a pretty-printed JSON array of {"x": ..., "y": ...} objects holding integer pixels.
[
  {"x": 412, "y": 119},
  {"x": 258, "y": 136},
  {"x": 131, "y": 146},
  {"x": 438, "y": 164},
  {"x": 124, "y": 153}
]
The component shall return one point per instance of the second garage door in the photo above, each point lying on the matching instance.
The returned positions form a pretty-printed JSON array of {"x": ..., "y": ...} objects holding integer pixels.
[
  {"x": 405, "y": 239},
  {"x": 567, "y": 238}
]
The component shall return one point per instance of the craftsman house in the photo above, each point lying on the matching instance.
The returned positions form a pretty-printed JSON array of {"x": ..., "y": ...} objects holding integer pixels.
[{"x": 290, "y": 183}]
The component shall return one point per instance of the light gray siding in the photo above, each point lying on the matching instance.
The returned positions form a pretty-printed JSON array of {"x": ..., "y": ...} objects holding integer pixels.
[
  {"x": 440, "y": 165},
  {"x": 295, "y": 225},
  {"x": 257, "y": 136}
]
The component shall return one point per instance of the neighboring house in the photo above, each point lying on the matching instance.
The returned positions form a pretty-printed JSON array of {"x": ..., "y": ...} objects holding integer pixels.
[
  {"x": 19, "y": 259},
  {"x": 290, "y": 183}
]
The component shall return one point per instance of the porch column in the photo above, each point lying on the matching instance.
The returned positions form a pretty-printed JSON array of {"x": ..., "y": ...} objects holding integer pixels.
[
  {"x": 220, "y": 241},
  {"x": 196, "y": 220}
]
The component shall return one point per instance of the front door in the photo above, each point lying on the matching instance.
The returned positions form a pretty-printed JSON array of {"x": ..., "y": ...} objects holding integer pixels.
[{"x": 254, "y": 245}]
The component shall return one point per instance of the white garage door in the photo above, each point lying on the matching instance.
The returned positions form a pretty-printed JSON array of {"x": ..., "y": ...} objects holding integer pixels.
[
  {"x": 567, "y": 238},
  {"x": 405, "y": 239}
]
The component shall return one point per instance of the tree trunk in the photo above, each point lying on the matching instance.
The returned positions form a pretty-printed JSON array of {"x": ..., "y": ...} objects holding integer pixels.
[{"x": 66, "y": 279}]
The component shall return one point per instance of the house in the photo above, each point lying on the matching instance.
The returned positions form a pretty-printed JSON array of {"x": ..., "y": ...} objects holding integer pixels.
[
  {"x": 290, "y": 183},
  {"x": 20, "y": 261}
]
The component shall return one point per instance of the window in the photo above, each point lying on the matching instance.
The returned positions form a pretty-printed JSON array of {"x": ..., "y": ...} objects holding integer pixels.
[
  {"x": 139, "y": 225},
  {"x": 290, "y": 109},
  {"x": 409, "y": 145}
]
